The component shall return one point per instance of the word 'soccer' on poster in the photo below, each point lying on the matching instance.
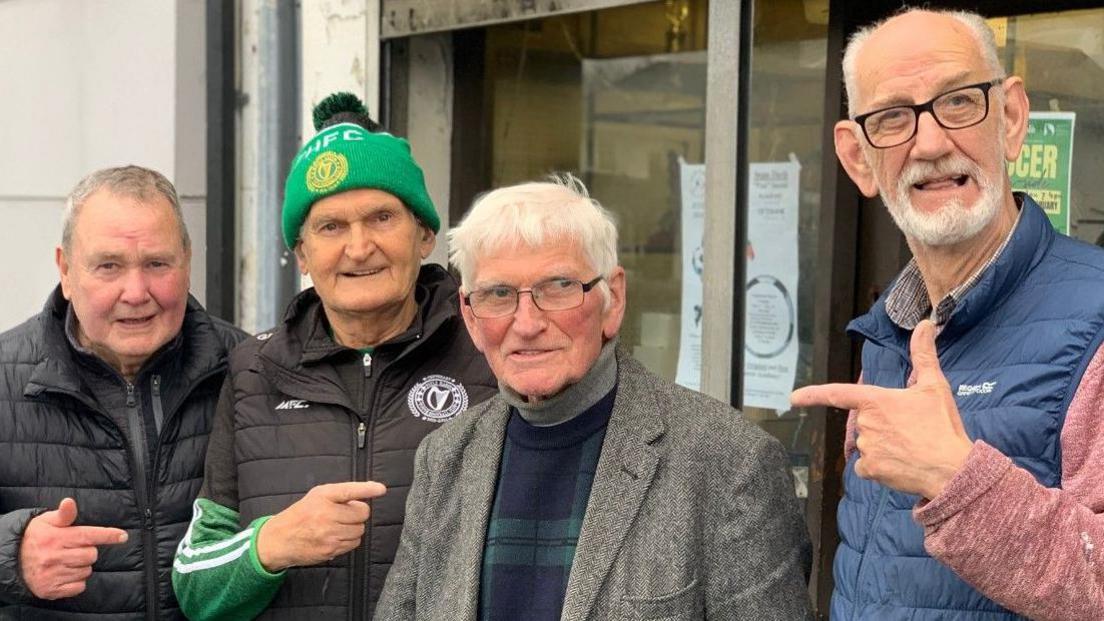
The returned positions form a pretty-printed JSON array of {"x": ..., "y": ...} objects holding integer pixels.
[
  {"x": 1043, "y": 168},
  {"x": 770, "y": 297}
]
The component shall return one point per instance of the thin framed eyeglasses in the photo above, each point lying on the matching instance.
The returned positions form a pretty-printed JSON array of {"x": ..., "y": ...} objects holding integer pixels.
[
  {"x": 959, "y": 108},
  {"x": 555, "y": 294}
]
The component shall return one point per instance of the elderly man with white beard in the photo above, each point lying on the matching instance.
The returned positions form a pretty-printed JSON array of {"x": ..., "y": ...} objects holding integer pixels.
[{"x": 974, "y": 485}]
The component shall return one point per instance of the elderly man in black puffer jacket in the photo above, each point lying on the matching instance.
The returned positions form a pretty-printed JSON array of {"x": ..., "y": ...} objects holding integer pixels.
[{"x": 106, "y": 401}]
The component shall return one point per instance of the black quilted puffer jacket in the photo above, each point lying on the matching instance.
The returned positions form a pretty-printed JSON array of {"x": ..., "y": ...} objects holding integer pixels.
[
  {"x": 130, "y": 454},
  {"x": 300, "y": 410}
]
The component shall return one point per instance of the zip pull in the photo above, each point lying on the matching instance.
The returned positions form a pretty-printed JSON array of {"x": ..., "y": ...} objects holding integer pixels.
[
  {"x": 362, "y": 430},
  {"x": 131, "y": 401},
  {"x": 158, "y": 413},
  {"x": 149, "y": 519},
  {"x": 367, "y": 362}
]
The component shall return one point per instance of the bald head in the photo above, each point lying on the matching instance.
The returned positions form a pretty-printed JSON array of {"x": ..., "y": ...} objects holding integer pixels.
[{"x": 908, "y": 43}]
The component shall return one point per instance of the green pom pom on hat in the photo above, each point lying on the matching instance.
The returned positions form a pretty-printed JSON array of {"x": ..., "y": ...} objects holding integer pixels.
[
  {"x": 336, "y": 104},
  {"x": 346, "y": 156}
]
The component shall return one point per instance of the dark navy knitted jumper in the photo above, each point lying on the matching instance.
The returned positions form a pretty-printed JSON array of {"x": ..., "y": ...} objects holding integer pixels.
[{"x": 543, "y": 486}]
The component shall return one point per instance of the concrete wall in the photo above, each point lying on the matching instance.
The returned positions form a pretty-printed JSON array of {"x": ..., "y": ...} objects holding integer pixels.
[
  {"x": 340, "y": 52},
  {"x": 87, "y": 85},
  {"x": 429, "y": 124}
]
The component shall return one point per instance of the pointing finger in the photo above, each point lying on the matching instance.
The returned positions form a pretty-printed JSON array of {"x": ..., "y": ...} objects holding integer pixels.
[
  {"x": 841, "y": 396},
  {"x": 95, "y": 536},
  {"x": 925, "y": 357},
  {"x": 352, "y": 490}
]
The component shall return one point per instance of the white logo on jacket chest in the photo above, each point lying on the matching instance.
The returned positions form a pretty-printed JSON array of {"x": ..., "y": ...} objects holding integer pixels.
[
  {"x": 437, "y": 398},
  {"x": 984, "y": 388},
  {"x": 293, "y": 404}
]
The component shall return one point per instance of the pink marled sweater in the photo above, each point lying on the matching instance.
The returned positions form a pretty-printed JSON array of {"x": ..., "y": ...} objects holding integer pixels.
[{"x": 1037, "y": 551}]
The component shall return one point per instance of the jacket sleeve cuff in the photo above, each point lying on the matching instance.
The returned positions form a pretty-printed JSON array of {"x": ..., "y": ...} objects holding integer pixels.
[
  {"x": 13, "y": 590},
  {"x": 984, "y": 466},
  {"x": 254, "y": 560}
]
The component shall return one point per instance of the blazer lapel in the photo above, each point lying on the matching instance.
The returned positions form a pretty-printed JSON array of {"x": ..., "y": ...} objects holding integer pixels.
[
  {"x": 477, "y": 488},
  {"x": 625, "y": 471}
]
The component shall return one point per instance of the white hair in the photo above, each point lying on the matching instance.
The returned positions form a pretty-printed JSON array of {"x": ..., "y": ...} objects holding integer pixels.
[
  {"x": 533, "y": 215},
  {"x": 974, "y": 22}
]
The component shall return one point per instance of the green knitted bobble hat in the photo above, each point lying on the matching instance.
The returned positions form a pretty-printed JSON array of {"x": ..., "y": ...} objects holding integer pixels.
[{"x": 346, "y": 156}]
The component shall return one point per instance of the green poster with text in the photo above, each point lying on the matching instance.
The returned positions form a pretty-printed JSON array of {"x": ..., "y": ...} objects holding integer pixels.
[{"x": 1043, "y": 168}]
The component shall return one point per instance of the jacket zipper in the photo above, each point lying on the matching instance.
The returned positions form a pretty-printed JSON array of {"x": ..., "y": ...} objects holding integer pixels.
[
  {"x": 359, "y": 439},
  {"x": 359, "y": 605},
  {"x": 158, "y": 413},
  {"x": 362, "y": 466},
  {"x": 151, "y": 491},
  {"x": 141, "y": 490},
  {"x": 143, "y": 487},
  {"x": 366, "y": 541}
]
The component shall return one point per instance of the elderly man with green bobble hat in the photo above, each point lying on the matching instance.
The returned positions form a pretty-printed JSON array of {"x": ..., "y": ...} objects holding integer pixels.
[{"x": 311, "y": 453}]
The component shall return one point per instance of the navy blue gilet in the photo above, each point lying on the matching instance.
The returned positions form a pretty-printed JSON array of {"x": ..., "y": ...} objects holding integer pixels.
[{"x": 1013, "y": 351}]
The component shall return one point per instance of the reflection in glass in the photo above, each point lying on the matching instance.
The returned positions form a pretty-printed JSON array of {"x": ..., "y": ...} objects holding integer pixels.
[
  {"x": 1060, "y": 56},
  {"x": 786, "y": 123},
  {"x": 616, "y": 96}
]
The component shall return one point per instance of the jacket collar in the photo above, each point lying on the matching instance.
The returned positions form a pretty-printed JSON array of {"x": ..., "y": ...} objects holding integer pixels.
[
  {"x": 1030, "y": 241},
  {"x": 197, "y": 348},
  {"x": 306, "y": 338}
]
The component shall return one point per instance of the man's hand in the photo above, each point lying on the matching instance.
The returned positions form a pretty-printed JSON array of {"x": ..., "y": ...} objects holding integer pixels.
[
  {"x": 326, "y": 523},
  {"x": 909, "y": 439},
  {"x": 56, "y": 557}
]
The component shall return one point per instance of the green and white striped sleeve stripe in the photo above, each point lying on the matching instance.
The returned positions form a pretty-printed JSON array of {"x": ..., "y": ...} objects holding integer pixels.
[{"x": 216, "y": 573}]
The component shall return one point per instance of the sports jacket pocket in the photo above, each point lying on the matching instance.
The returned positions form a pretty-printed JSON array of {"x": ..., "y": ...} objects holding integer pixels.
[{"x": 683, "y": 604}]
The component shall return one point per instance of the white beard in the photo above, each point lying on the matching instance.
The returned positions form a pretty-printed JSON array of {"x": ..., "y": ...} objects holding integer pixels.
[{"x": 953, "y": 222}]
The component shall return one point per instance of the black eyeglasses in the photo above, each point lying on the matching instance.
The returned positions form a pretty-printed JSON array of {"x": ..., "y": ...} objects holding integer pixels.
[
  {"x": 960, "y": 108},
  {"x": 551, "y": 295}
]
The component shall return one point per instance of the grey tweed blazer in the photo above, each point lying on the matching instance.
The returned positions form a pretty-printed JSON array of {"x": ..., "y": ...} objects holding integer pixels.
[{"x": 692, "y": 515}]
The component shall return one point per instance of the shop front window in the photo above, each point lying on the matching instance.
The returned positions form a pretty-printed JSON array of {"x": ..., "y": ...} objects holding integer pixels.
[
  {"x": 616, "y": 97},
  {"x": 785, "y": 151},
  {"x": 1060, "y": 56}
]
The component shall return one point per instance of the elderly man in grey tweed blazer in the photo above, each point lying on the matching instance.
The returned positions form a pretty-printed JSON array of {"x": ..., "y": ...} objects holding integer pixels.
[{"x": 588, "y": 488}]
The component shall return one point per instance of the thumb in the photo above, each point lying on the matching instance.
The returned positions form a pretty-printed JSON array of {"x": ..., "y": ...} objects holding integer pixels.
[
  {"x": 925, "y": 358},
  {"x": 64, "y": 515}
]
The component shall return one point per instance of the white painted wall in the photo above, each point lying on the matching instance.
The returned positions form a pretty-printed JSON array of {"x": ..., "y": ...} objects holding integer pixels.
[
  {"x": 340, "y": 51},
  {"x": 429, "y": 124},
  {"x": 87, "y": 85}
]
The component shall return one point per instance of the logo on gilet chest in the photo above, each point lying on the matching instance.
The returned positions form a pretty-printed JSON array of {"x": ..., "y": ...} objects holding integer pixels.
[
  {"x": 437, "y": 398},
  {"x": 983, "y": 388},
  {"x": 293, "y": 404}
]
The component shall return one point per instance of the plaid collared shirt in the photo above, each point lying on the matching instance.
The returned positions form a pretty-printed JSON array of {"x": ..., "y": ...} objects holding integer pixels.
[{"x": 907, "y": 304}]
